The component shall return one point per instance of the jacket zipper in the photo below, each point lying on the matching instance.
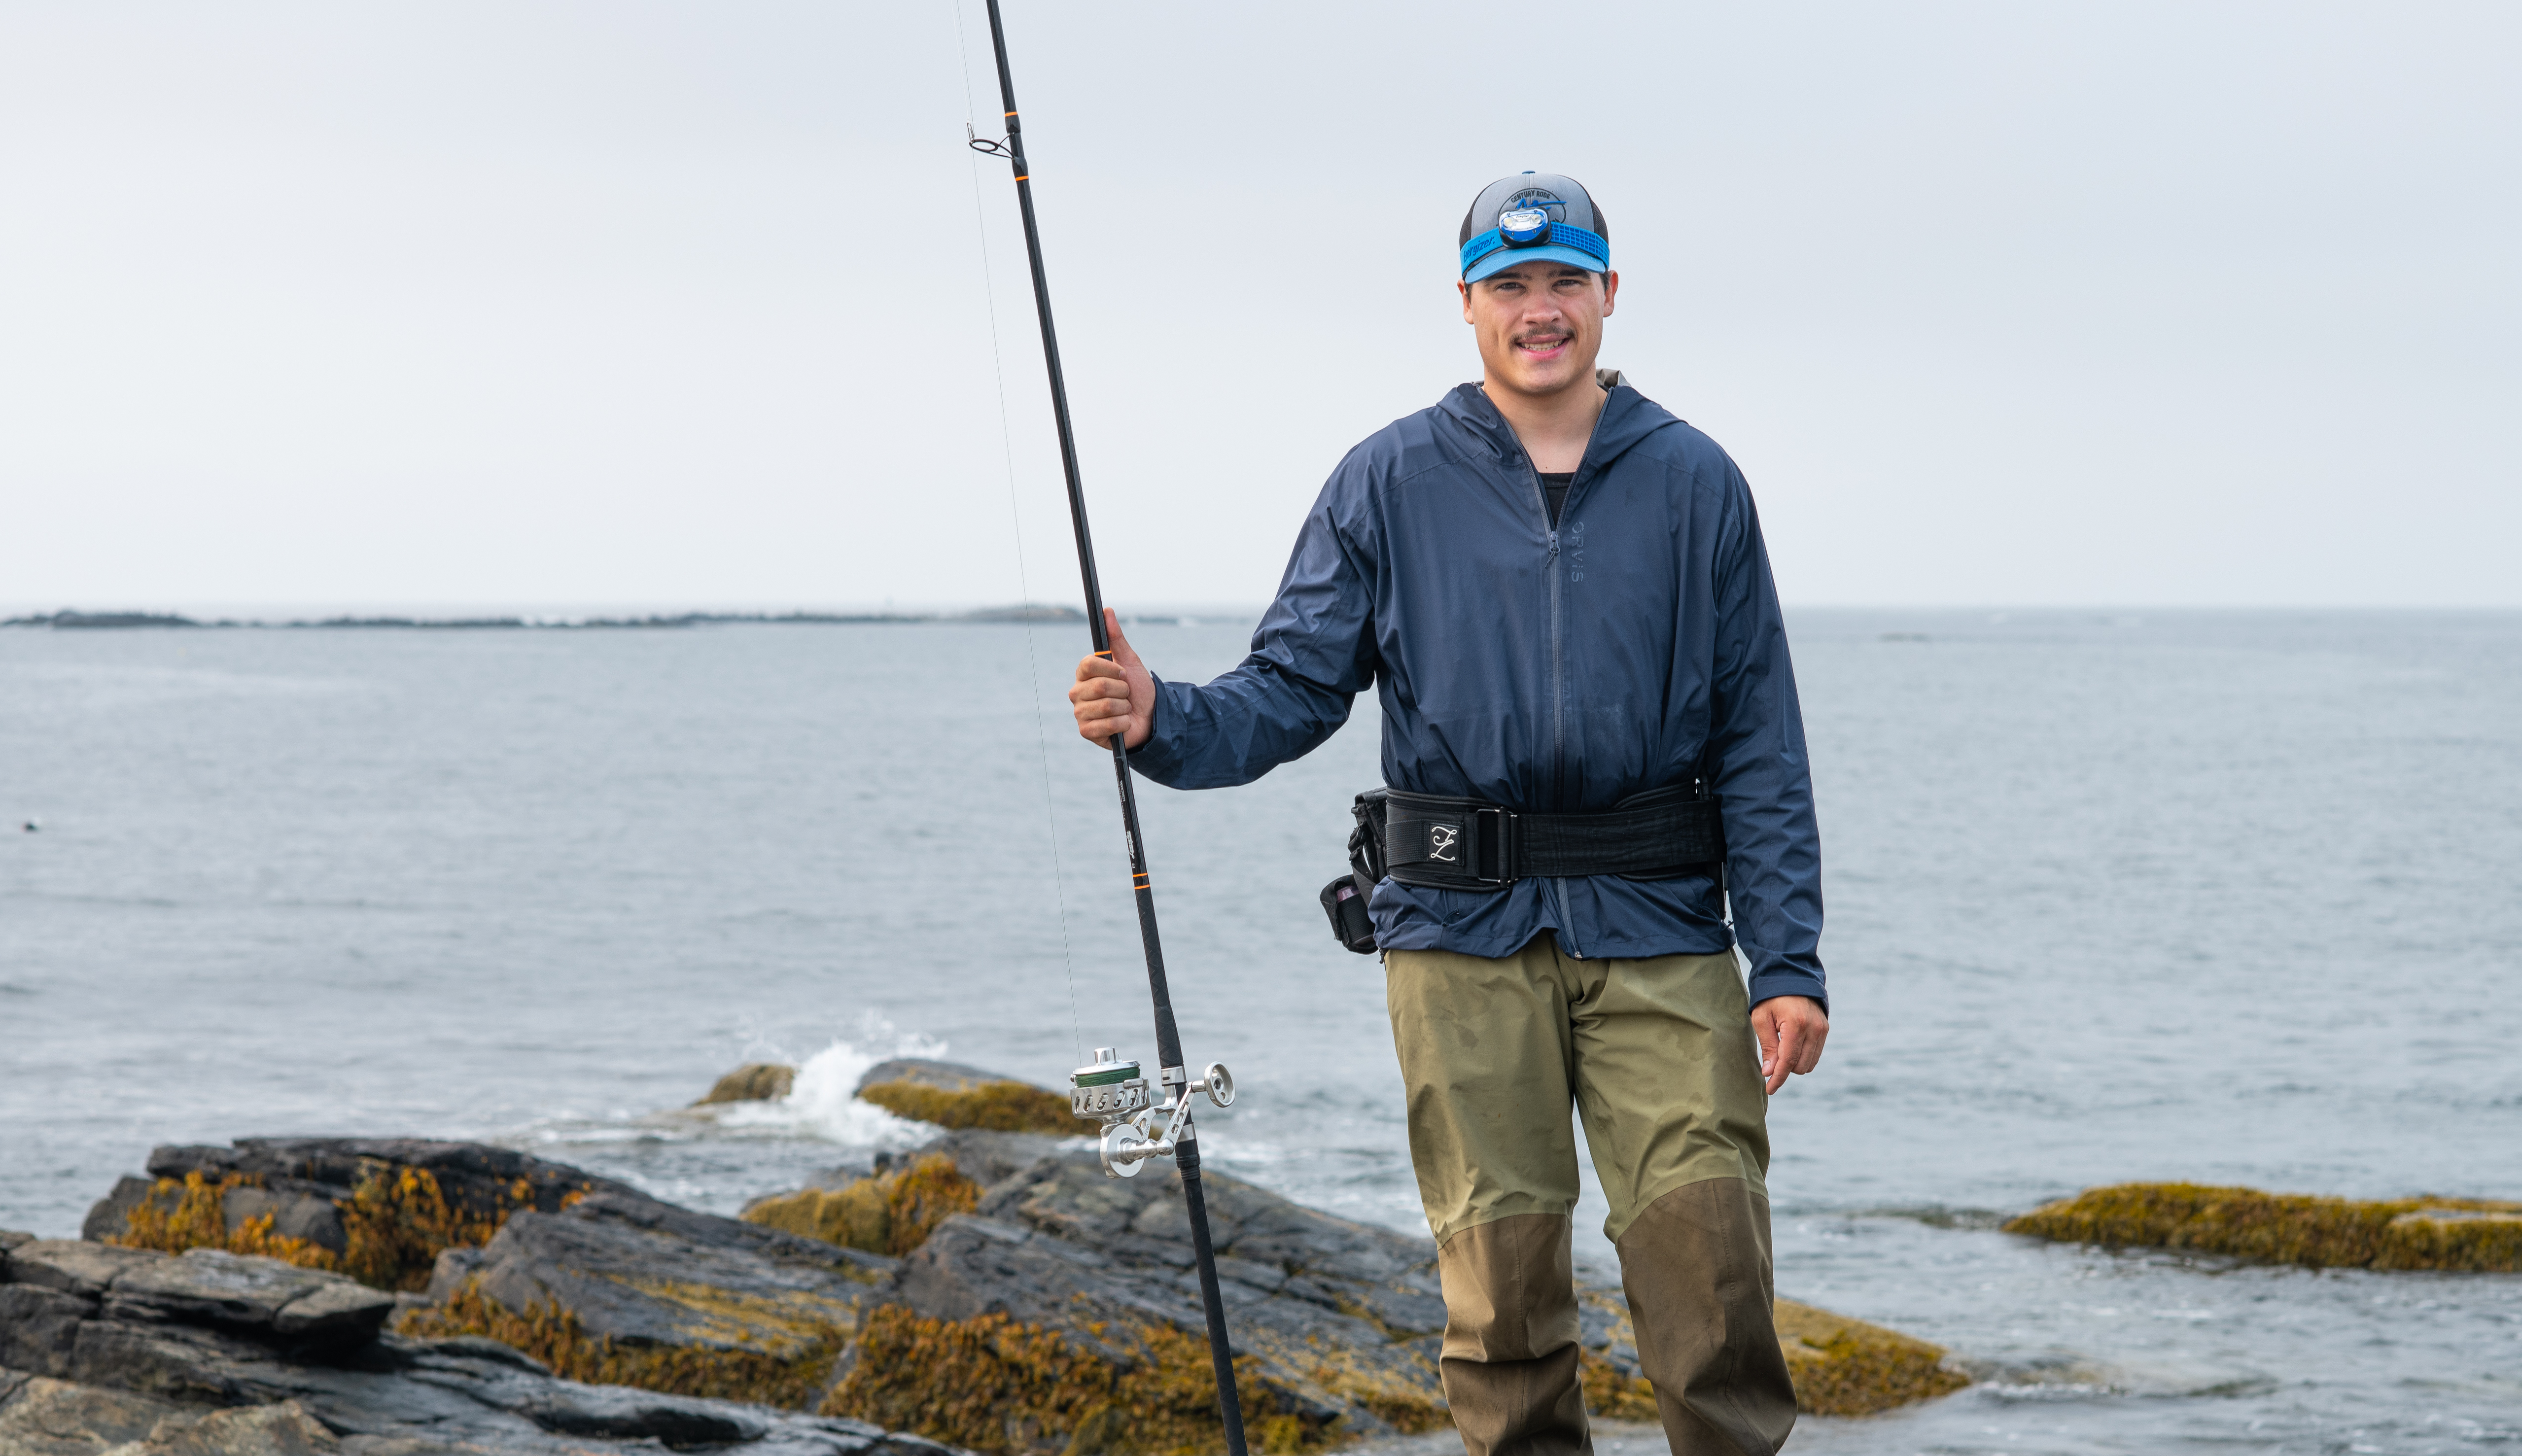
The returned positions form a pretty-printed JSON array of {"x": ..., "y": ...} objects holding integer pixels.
[
  {"x": 1558, "y": 673},
  {"x": 1557, "y": 676},
  {"x": 1558, "y": 657}
]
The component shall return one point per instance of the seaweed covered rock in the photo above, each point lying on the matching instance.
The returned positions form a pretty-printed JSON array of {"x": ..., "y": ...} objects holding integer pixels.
[
  {"x": 379, "y": 1209},
  {"x": 209, "y": 1353},
  {"x": 631, "y": 1291},
  {"x": 2454, "y": 1235},
  {"x": 953, "y": 1096},
  {"x": 1067, "y": 1293},
  {"x": 753, "y": 1082},
  {"x": 888, "y": 1213}
]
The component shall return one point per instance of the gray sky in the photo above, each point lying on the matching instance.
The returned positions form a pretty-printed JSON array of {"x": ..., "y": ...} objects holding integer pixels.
[{"x": 643, "y": 304}]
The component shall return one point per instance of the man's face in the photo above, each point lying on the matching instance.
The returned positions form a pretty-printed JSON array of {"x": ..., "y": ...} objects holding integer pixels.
[{"x": 1540, "y": 324}]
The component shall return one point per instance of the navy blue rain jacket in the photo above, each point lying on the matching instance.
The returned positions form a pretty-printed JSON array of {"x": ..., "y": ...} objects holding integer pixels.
[{"x": 1549, "y": 671}]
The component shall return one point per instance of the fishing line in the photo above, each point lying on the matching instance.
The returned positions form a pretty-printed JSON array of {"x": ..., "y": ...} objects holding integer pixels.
[{"x": 1024, "y": 584}]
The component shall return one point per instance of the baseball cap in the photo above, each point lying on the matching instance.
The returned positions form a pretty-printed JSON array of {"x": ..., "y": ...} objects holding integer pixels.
[{"x": 1533, "y": 216}]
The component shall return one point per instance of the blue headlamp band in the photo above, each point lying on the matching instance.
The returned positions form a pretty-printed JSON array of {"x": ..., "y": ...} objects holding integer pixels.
[{"x": 1565, "y": 235}]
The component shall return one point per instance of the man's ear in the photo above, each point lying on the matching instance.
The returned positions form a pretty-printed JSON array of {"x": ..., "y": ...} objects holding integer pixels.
[
  {"x": 1611, "y": 291},
  {"x": 1466, "y": 290}
]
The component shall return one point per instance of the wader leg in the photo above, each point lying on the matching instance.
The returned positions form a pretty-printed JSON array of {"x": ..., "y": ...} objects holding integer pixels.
[
  {"x": 1668, "y": 1082},
  {"x": 1509, "y": 1353},
  {"x": 1695, "y": 1264},
  {"x": 1485, "y": 1056}
]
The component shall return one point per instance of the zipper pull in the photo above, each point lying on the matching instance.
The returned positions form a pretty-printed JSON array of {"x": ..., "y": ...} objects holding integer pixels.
[{"x": 1554, "y": 542}]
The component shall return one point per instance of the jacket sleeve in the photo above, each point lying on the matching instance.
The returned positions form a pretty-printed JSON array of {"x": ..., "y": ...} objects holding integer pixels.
[
  {"x": 1312, "y": 654},
  {"x": 1762, "y": 780}
]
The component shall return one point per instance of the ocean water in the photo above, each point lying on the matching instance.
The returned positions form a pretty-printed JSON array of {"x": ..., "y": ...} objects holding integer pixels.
[{"x": 2229, "y": 897}]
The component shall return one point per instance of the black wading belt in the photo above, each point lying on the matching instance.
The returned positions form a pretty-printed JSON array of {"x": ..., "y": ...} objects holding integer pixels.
[{"x": 1471, "y": 844}]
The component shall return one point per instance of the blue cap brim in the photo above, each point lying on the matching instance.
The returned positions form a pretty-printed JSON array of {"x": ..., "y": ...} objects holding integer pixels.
[{"x": 1507, "y": 258}]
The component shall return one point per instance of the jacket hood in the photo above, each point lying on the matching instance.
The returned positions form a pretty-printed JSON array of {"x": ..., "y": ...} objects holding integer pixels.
[{"x": 1627, "y": 418}]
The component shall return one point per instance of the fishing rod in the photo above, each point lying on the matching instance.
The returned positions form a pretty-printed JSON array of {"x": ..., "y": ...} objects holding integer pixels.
[{"x": 1112, "y": 1090}]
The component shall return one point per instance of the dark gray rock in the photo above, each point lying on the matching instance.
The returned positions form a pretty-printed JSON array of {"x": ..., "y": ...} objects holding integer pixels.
[
  {"x": 282, "y": 1429},
  {"x": 10, "y": 1238},
  {"x": 295, "y": 1213},
  {"x": 948, "y": 1076},
  {"x": 187, "y": 1389},
  {"x": 73, "y": 1266},
  {"x": 648, "y": 1273},
  {"x": 989, "y": 1159},
  {"x": 298, "y": 1209},
  {"x": 219, "y": 1354},
  {"x": 839, "y": 1176},
  {"x": 180, "y": 1363},
  {"x": 301, "y": 1178},
  {"x": 1345, "y": 1318},
  {"x": 110, "y": 1215},
  {"x": 45, "y": 1417},
  {"x": 211, "y": 1287},
  {"x": 454, "y": 1266},
  {"x": 37, "y": 1325},
  {"x": 406, "y": 1399}
]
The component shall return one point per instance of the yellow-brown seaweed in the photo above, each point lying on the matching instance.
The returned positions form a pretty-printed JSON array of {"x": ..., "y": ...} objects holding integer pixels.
[
  {"x": 1003, "y": 1388},
  {"x": 891, "y": 1213},
  {"x": 396, "y": 1223},
  {"x": 553, "y": 1336},
  {"x": 2452, "y": 1235},
  {"x": 994, "y": 1107}
]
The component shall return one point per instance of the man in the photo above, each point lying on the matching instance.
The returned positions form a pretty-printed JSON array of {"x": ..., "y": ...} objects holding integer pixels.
[{"x": 1560, "y": 593}]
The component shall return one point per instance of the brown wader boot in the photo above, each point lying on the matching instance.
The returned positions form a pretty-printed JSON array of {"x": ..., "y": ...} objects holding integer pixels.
[{"x": 1657, "y": 1057}]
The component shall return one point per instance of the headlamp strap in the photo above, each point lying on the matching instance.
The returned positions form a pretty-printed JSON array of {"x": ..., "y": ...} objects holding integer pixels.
[{"x": 1563, "y": 234}]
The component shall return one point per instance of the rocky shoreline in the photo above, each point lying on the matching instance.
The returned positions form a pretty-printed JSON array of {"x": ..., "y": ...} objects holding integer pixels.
[{"x": 993, "y": 1291}]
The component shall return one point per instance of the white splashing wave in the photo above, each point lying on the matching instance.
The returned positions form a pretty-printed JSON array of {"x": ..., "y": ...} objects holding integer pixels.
[{"x": 823, "y": 1103}]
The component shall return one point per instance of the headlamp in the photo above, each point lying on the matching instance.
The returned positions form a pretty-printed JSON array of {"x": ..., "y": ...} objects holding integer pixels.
[{"x": 1521, "y": 227}]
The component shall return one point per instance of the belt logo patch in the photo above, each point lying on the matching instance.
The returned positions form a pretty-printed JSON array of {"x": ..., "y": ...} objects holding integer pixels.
[{"x": 1441, "y": 840}]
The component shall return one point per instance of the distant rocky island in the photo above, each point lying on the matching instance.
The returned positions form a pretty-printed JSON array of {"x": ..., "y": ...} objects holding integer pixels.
[
  {"x": 68, "y": 620},
  {"x": 993, "y": 1291}
]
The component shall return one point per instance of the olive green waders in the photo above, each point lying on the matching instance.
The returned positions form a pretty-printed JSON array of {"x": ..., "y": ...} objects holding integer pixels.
[{"x": 1658, "y": 1058}]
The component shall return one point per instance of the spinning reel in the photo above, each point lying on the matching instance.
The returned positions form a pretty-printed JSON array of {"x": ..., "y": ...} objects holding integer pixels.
[{"x": 1113, "y": 1093}]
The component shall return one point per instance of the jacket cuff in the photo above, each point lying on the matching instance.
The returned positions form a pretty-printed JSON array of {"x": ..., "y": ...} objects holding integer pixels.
[
  {"x": 1159, "y": 759},
  {"x": 1789, "y": 980}
]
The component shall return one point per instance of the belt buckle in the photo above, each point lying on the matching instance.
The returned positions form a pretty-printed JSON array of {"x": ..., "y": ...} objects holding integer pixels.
[{"x": 1503, "y": 836}]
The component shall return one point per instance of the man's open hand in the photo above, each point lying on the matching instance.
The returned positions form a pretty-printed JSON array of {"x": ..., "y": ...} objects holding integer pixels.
[
  {"x": 1791, "y": 1030},
  {"x": 1114, "y": 695}
]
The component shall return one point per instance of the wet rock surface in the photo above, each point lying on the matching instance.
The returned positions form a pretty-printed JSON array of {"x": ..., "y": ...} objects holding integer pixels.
[
  {"x": 208, "y": 1352},
  {"x": 1343, "y": 1320},
  {"x": 646, "y": 1272},
  {"x": 921, "y": 1071}
]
